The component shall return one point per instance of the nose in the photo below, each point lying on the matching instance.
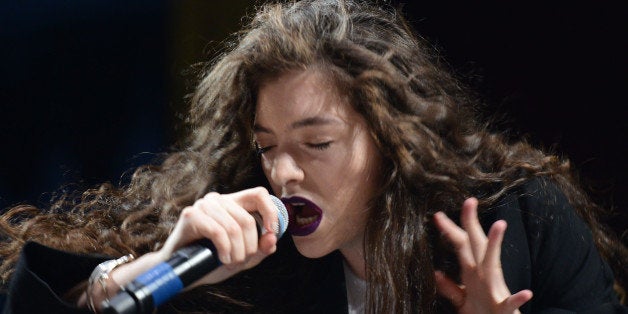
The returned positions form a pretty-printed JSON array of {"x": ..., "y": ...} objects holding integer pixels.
[{"x": 285, "y": 170}]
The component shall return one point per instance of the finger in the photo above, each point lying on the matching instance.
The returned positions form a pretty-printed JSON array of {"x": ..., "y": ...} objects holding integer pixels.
[
  {"x": 471, "y": 224},
  {"x": 258, "y": 200},
  {"x": 449, "y": 289},
  {"x": 267, "y": 246},
  {"x": 205, "y": 226},
  {"x": 458, "y": 238},
  {"x": 516, "y": 300},
  {"x": 247, "y": 223},
  {"x": 214, "y": 206},
  {"x": 267, "y": 243},
  {"x": 178, "y": 237},
  {"x": 494, "y": 247}
]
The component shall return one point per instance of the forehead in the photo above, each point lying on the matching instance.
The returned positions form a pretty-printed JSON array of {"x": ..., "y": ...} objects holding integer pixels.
[{"x": 300, "y": 94}]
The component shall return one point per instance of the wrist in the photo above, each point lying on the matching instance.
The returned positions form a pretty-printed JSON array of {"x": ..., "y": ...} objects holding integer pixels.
[
  {"x": 116, "y": 278},
  {"x": 100, "y": 285},
  {"x": 127, "y": 272}
]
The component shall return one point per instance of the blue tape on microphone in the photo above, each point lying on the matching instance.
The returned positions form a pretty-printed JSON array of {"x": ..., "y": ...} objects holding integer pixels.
[{"x": 165, "y": 280}]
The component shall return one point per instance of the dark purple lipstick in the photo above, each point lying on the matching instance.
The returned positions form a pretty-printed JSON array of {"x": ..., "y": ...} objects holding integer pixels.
[{"x": 304, "y": 215}]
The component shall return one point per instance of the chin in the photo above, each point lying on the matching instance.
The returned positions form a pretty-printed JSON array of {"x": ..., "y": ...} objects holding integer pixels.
[{"x": 308, "y": 248}]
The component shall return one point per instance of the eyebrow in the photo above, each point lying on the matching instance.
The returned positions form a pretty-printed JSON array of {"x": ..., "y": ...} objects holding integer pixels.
[{"x": 312, "y": 121}]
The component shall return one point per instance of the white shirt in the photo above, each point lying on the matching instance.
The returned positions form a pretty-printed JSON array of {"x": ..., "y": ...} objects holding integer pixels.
[{"x": 356, "y": 291}]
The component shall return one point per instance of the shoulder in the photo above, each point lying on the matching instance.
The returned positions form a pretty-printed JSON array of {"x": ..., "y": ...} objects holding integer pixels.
[
  {"x": 549, "y": 220},
  {"x": 44, "y": 274},
  {"x": 540, "y": 207},
  {"x": 540, "y": 216},
  {"x": 550, "y": 249}
]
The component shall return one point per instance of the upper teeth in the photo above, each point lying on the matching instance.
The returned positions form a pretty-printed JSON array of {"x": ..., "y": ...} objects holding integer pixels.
[{"x": 298, "y": 204}]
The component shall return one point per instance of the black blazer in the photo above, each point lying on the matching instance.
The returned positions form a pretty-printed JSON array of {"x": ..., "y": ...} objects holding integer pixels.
[{"x": 547, "y": 248}]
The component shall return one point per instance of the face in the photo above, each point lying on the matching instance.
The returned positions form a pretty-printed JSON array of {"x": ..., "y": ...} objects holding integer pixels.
[{"x": 320, "y": 158}]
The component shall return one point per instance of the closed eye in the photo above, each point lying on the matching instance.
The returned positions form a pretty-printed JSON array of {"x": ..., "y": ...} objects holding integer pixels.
[
  {"x": 262, "y": 150},
  {"x": 319, "y": 146}
]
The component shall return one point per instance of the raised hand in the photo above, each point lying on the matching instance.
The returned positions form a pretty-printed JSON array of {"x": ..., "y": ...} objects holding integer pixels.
[{"x": 483, "y": 289}]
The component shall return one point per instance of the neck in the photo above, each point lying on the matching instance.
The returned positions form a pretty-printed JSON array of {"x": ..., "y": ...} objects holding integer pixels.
[{"x": 354, "y": 257}]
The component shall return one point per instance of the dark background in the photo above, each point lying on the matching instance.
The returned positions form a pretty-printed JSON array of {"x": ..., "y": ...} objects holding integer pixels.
[{"x": 91, "y": 89}]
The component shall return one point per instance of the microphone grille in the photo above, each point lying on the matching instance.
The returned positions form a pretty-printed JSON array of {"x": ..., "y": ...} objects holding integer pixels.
[{"x": 282, "y": 215}]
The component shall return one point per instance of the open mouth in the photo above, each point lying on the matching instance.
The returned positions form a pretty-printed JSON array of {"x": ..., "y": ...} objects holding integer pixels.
[{"x": 304, "y": 215}]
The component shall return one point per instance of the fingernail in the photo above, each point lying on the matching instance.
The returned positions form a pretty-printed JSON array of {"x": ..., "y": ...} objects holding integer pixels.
[{"x": 226, "y": 259}]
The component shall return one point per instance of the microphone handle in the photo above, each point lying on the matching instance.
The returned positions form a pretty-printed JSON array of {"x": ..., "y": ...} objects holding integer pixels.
[{"x": 165, "y": 280}]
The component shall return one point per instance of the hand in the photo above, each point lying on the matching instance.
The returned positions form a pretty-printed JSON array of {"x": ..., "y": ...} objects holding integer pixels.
[
  {"x": 227, "y": 222},
  {"x": 223, "y": 219},
  {"x": 483, "y": 289}
]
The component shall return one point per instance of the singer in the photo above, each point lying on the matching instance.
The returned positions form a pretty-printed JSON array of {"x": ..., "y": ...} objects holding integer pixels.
[{"x": 400, "y": 199}]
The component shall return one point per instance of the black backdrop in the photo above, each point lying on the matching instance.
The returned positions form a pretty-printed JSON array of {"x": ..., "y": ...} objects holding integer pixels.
[{"x": 89, "y": 90}]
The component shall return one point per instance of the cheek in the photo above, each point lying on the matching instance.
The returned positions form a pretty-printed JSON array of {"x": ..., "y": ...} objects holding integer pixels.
[
  {"x": 366, "y": 167},
  {"x": 267, "y": 169}
]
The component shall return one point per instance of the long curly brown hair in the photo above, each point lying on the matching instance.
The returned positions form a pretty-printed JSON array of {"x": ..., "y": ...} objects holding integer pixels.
[{"x": 421, "y": 117}]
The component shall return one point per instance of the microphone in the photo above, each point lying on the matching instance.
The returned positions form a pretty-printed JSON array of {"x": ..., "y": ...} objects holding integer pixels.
[{"x": 188, "y": 264}]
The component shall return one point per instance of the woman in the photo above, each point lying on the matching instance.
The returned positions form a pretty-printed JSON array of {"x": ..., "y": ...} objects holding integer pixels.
[{"x": 337, "y": 108}]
